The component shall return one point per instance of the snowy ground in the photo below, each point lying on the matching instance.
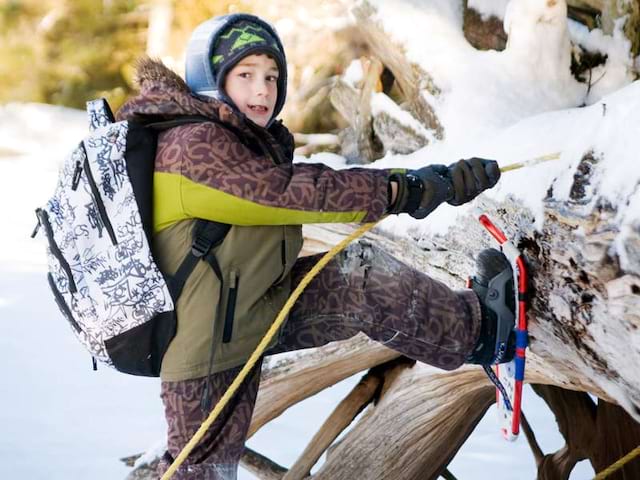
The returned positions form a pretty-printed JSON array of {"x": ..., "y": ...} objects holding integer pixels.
[{"x": 62, "y": 421}]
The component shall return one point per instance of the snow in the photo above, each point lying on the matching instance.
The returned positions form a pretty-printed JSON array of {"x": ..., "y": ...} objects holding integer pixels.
[
  {"x": 488, "y": 8},
  {"x": 353, "y": 73},
  {"x": 61, "y": 420}
]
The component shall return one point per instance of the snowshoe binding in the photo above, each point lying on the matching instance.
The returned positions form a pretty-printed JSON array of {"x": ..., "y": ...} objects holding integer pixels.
[
  {"x": 503, "y": 340},
  {"x": 494, "y": 286}
]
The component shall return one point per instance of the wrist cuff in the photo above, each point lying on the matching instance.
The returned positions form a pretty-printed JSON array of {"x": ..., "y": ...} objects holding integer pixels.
[
  {"x": 409, "y": 193},
  {"x": 402, "y": 194}
]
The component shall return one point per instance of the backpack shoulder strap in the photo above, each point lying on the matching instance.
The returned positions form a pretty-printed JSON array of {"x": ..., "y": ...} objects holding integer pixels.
[
  {"x": 206, "y": 236},
  {"x": 176, "y": 122}
]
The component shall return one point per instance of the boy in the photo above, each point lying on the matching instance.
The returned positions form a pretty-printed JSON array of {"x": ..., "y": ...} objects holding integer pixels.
[{"x": 236, "y": 169}]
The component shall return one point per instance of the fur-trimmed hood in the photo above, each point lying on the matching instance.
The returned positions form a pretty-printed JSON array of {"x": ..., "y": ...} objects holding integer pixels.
[{"x": 164, "y": 95}]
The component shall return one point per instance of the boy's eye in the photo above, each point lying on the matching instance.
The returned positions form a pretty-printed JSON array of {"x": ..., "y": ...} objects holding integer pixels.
[
  {"x": 244, "y": 75},
  {"x": 272, "y": 78}
]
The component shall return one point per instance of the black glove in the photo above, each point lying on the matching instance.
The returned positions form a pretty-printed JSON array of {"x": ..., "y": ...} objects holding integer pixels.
[
  {"x": 421, "y": 191},
  {"x": 472, "y": 177}
]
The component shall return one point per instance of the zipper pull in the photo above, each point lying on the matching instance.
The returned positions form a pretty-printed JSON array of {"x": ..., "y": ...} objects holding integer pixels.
[
  {"x": 37, "y": 227},
  {"x": 76, "y": 176},
  {"x": 94, "y": 363}
]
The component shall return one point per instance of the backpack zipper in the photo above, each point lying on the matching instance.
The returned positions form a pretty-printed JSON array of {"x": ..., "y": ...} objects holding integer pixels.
[
  {"x": 43, "y": 217},
  {"x": 76, "y": 175},
  {"x": 102, "y": 212}
]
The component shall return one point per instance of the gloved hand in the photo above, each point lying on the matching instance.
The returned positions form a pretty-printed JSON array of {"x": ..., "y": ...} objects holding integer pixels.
[
  {"x": 421, "y": 191},
  {"x": 472, "y": 177}
]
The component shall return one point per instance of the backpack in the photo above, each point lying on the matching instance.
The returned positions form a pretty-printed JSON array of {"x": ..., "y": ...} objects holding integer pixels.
[{"x": 98, "y": 225}]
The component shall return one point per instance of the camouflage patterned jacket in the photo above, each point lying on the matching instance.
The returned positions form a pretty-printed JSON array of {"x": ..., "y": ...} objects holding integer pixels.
[{"x": 232, "y": 172}]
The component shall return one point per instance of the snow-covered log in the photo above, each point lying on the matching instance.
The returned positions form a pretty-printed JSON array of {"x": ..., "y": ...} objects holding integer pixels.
[{"x": 355, "y": 106}]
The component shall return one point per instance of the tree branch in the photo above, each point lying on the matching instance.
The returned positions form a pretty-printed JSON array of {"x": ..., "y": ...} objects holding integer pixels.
[{"x": 261, "y": 466}]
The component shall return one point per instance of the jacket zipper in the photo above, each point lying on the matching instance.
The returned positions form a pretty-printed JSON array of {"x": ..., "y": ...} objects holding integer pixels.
[
  {"x": 98, "y": 199},
  {"x": 43, "y": 216},
  {"x": 62, "y": 304},
  {"x": 283, "y": 259},
  {"x": 231, "y": 309}
]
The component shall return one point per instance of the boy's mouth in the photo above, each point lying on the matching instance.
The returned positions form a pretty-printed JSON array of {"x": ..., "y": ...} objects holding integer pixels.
[{"x": 259, "y": 109}]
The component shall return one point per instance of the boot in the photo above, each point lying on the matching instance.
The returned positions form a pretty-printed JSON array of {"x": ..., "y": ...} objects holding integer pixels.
[{"x": 493, "y": 284}]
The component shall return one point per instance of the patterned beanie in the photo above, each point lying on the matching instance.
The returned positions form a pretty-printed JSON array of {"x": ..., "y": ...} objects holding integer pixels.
[{"x": 240, "y": 40}]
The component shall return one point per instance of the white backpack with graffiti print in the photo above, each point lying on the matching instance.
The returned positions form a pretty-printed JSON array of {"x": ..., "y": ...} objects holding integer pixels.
[{"x": 98, "y": 227}]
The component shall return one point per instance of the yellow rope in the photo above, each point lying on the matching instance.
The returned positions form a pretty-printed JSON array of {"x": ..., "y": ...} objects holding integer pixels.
[
  {"x": 264, "y": 343},
  {"x": 262, "y": 346},
  {"x": 618, "y": 465},
  {"x": 530, "y": 163}
]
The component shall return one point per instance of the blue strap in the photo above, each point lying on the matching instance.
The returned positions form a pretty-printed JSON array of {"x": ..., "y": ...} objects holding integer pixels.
[
  {"x": 496, "y": 381},
  {"x": 522, "y": 338}
]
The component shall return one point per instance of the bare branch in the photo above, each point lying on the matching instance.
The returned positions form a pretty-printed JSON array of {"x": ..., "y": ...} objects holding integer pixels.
[
  {"x": 261, "y": 466},
  {"x": 531, "y": 439}
]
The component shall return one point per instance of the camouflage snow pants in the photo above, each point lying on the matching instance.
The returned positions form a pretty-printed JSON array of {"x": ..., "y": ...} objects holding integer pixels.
[{"x": 363, "y": 289}]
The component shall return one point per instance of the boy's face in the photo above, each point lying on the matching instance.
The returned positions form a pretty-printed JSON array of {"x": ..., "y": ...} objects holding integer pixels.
[{"x": 252, "y": 84}]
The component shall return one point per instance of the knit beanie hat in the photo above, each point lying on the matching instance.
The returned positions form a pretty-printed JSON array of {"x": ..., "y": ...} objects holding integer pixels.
[{"x": 218, "y": 44}]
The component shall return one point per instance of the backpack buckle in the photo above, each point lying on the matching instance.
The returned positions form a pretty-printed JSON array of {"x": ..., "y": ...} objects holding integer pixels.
[{"x": 200, "y": 246}]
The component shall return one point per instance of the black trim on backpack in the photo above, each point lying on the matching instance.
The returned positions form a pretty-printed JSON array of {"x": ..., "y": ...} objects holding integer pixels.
[
  {"x": 139, "y": 351},
  {"x": 107, "y": 110},
  {"x": 141, "y": 155}
]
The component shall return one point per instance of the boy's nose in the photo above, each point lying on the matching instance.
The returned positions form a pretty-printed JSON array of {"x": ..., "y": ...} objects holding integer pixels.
[{"x": 261, "y": 87}]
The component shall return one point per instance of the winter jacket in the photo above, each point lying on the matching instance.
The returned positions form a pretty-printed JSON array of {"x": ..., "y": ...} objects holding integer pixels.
[{"x": 231, "y": 171}]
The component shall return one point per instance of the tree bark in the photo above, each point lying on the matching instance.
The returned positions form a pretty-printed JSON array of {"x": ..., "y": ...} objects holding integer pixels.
[
  {"x": 481, "y": 33},
  {"x": 415, "y": 429},
  {"x": 261, "y": 466}
]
